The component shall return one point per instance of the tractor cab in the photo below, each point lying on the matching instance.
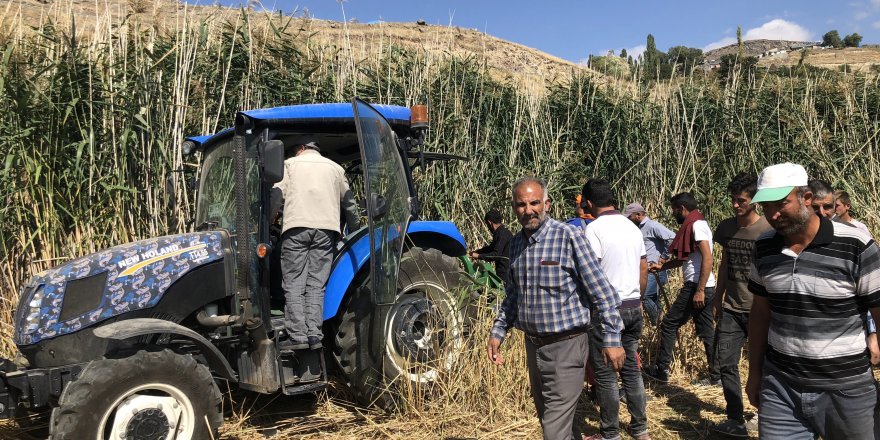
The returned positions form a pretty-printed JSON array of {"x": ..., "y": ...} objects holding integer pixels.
[{"x": 240, "y": 168}]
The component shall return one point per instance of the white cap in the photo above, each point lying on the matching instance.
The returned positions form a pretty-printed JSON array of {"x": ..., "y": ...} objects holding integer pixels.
[{"x": 776, "y": 181}]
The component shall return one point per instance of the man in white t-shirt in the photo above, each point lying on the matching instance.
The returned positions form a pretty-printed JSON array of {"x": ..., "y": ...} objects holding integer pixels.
[
  {"x": 620, "y": 249},
  {"x": 691, "y": 250},
  {"x": 842, "y": 207}
]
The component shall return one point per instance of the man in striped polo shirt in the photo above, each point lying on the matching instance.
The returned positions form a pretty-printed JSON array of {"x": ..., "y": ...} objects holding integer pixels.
[{"x": 809, "y": 371}]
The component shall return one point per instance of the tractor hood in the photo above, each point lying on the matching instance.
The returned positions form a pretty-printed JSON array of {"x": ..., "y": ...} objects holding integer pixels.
[{"x": 121, "y": 279}]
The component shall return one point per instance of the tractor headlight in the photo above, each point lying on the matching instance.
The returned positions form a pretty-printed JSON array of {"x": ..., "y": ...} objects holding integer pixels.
[
  {"x": 31, "y": 321},
  {"x": 36, "y": 300}
]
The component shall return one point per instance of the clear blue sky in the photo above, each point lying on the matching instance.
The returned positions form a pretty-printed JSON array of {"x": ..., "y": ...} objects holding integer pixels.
[{"x": 575, "y": 29}]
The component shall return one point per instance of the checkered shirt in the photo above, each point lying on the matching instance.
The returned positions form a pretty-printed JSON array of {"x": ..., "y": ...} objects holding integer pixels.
[{"x": 554, "y": 279}]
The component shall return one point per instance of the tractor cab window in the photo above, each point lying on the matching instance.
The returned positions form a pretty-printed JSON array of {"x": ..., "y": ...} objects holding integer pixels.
[{"x": 216, "y": 203}]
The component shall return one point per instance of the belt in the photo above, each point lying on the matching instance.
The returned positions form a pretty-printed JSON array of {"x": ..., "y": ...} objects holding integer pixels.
[
  {"x": 630, "y": 303},
  {"x": 540, "y": 341}
]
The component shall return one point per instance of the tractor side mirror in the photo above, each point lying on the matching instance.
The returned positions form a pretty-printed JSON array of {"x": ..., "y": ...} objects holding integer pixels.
[{"x": 272, "y": 161}]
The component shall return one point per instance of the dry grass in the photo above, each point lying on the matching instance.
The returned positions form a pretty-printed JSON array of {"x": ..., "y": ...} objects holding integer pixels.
[{"x": 530, "y": 68}]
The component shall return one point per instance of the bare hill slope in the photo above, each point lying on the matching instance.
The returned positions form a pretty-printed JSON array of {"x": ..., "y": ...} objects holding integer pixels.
[
  {"x": 790, "y": 53},
  {"x": 504, "y": 59}
]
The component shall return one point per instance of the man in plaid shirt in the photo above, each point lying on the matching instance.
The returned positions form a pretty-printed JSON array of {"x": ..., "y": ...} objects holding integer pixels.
[{"x": 554, "y": 279}]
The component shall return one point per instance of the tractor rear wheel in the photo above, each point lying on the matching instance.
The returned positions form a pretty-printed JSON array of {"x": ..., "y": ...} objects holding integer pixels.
[
  {"x": 423, "y": 330},
  {"x": 150, "y": 395}
]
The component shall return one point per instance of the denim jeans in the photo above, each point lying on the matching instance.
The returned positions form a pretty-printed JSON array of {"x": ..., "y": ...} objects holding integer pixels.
[
  {"x": 790, "y": 413},
  {"x": 652, "y": 298},
  {"x": 679, "y": 313},
  {"x": 606, "y": 378},
  {"x": 730, "y": 334}
]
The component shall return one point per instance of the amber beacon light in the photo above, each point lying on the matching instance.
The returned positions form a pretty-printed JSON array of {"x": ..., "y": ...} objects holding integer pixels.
[
  {"x": 418, "y": 116},
  {"x": 264, "y": 249}
]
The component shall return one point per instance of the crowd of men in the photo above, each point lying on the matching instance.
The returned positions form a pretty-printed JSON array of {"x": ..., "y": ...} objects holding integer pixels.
[{"x": 799, "y": 278}]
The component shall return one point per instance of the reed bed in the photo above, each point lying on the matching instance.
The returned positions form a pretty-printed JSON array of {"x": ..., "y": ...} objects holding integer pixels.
[{"x": 90, "y": 156}]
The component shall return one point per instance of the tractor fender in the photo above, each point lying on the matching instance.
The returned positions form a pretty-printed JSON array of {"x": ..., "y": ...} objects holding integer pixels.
[
  {"x": 131, "y": 328},
  {"x": 440, "y": 235}
]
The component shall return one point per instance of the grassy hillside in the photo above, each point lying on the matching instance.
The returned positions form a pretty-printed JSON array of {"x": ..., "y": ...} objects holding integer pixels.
[{"x": 94, "y": 120}]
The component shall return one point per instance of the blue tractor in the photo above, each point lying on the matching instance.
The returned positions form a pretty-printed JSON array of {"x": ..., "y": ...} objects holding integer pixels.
[{"x": 132, "y": 341}]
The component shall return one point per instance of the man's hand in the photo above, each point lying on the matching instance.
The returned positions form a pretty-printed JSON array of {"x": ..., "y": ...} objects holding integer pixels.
[
  {"x": 874, "y": 349},
  {"x": 654, "y": 267},
  {"x": 753, "y": 390},
  {"x": 614, "y": 356},
  {"x": 494, "y": 350},
  {"x": 699, "y": 299},
  {"x": 475, "y": 255}
]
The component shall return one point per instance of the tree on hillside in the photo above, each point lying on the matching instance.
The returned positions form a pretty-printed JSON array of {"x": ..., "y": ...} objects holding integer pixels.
[
  {"x": 852, "y": 40},
  {"x": 623, "y": 53},
  {"x": 651, "y": 59},
  {"x": 740, "y": 50},
  {"x": 684, "y": 59},
  {"x": 832, "y": 38},
  {"x": 650, "y": 50}
]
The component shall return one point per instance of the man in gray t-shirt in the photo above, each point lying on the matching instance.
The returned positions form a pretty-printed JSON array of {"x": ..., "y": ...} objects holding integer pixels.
[
  {"x": 657, "y": 240},
  {"x": 733, "y": 299}
]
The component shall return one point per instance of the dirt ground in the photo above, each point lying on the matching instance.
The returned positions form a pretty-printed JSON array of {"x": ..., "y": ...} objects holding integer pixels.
[
  {"x": 479, "y": 402},
  {"x": 676, "y": 411}
]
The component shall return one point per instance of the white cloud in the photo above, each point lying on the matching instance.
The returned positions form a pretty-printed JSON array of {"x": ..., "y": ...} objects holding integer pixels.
[
  {"x": 876, "y": 25},
  {"x": 861, "y": 15},
  {"x": 776, "y": 29},
  {"x": 636, "y": 51},
  {"x": 726, "y": 41}
]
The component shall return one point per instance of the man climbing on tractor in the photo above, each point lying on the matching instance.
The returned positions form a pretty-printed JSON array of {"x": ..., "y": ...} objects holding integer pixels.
[{"x": 315, "y": 191}]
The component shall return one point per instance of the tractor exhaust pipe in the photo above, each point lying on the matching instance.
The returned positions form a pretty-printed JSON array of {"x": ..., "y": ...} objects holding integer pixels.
[{"x": 215, "y": 321}]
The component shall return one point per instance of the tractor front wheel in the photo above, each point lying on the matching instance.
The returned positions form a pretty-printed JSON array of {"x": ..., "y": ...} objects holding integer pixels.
[{"x": 150, "y": 395}]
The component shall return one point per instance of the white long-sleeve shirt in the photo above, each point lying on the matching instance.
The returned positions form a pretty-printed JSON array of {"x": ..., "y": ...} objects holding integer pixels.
[{"x": 315, "y": 192}]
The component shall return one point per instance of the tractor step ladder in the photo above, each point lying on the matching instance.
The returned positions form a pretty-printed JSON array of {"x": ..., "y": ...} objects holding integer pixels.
[{"x": 293, "y": 365}]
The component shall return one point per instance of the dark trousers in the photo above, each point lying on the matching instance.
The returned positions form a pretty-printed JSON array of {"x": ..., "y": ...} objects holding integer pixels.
[
  {"x": 306, "y": 258},
  {"x": 679, "y": 313},
  {"x": 606, "y": 378},
  {"x": 787, "y": 412},
  {"x": 556, "y": 376},
  {"x": 730, "y": 334}
]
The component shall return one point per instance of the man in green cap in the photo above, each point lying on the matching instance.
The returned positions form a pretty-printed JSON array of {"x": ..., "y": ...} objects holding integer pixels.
[{"x": 809, "y": 370}]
